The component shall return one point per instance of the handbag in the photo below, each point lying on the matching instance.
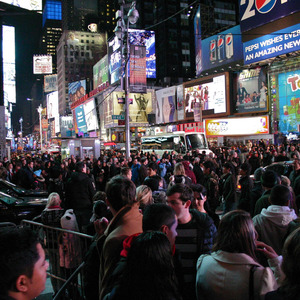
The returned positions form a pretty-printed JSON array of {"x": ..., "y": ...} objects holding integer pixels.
[{"x": 251, "y": 282}]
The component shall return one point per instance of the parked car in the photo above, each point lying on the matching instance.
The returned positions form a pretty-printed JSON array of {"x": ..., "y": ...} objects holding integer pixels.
[
  {"x": 16, "y": 209},
  {"x": 17, "y": 191}
]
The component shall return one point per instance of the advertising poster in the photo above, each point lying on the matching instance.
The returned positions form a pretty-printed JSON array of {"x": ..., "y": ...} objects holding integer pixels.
[
  {"x": 91, "y": 115},
  {"x": 76, "y": 90},
  {"x": 9, "y": 63},
  {"x": 255, "y": 13},
  {"x": 210, "y": 94},
  {"x": 289, "y": 101},
  {"x": 166, "y": 105},
  {"x": 52, "y": 105},
  {"x": 252, "y": 91},
  {"x": 236, "y": 126},
  {"x": 50, "y": 83},
  {"x": 100, "y": 72},
  {"x": 27, "y": 4},
  {"x": 180, "y": 104},
  {"x": 145, "y": 38},
  {"x": 138, "y": 111},
  {"x": 138, "y": 80},
  {"x": 271, "y": 45},
  {"x": 114, "y": 59},
  {"x": 221, "y": 49},
  {"x": 42, "y": 64},
  {"x": 198, "y": 44},
  {"x": 80, "y": 120}
]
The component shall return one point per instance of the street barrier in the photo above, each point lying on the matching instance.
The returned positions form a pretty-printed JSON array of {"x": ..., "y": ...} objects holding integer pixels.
[{"x": 66, "y": 251}]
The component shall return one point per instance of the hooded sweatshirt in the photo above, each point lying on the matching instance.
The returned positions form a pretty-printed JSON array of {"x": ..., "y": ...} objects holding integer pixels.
[{"x": 272, "y": 224}]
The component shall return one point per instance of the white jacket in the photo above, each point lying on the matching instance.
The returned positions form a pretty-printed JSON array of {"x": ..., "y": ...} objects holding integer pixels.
[
  {"x": 224, "y": 275},
  {"x": 271, "y": 225}
]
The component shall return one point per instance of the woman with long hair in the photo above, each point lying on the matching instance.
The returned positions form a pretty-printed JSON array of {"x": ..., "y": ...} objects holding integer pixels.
[
  {"x": 149, "y": 272},
  {"x": 232, "y": 270},
  {"x": 179, "y": 175},
  {"x": 144, "y": 196},
  {"x": 290, "y": 288}
]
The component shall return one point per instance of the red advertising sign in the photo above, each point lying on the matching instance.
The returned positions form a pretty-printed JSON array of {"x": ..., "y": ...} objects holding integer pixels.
[{"x": 138, "y": 80}]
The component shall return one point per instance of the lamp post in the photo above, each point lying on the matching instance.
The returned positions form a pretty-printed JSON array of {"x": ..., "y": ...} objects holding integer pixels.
[
  {"x": 122, "y": 34},
  {"x": 21, "y": 127},
  {"x": 39, "y": 109}
]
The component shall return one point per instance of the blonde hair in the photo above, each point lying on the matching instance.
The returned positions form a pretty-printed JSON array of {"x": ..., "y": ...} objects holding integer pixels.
[
  {"x": 179, "y": 169},
  {"x": 53, "y": 200},
  {"x": 144, "y": 196}
]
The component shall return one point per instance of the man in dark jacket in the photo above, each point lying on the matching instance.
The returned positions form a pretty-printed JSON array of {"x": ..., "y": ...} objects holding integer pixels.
[
  {"x": 79, "y": 195},
  {"x": 196, "y": 233},
  {"x": 246, "y": 185},
  {"x": 228, "y": 187}
]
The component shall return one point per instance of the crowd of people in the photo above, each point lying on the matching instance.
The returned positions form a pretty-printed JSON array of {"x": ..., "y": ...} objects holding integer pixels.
[{"x": 193, "y": 226}]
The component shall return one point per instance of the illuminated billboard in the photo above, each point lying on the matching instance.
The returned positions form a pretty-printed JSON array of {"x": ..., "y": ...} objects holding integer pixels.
[
  {"x": 42, "y": 64},
  {"x": 236, "y": 126},
  {"x": 9, "y": 65},
  {"x": 100, "y": 72},
  {"x": 260, "y": 12},
  {"x": 208, "y": 94},
  {"x": 90, "y": 115},
  {"x": 80, "y": 120},
  {"x": 145, "y": 38},
  {"x": 139, "y": 108},
  {"x": 50, "y": 83},
  {"x": 27, "y": 4},
  {"x": 289, "y": 101},
  {"x": 52, "y": 105},
  {"x": 251, "y": 91},
  {"x": 221, "y": 49},
  {"x": 114, "y": 60},
  {"x": 76, "y": 90},
  {"x": 198, "y": 42},
  {"x": 271, "y": 45},
  {"x": 166, "y": 105}
]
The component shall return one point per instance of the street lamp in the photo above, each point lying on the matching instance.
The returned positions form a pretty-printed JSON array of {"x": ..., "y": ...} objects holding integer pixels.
[
  {"x": 39, "y": 109},
  {"x": 21, "y": 127},
  {"x": 132, "y": 17}
]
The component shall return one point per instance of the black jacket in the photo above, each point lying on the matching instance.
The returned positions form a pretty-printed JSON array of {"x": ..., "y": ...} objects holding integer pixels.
[{"x": 79, "y": 191}]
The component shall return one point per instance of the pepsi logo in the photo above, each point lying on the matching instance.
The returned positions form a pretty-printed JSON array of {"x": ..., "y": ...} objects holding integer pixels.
[
  {"x": 264, "y": 6},
  {"x": 212, "y": 46},
  {"x": 228, "y": 40},
  {"x": 220, "y": 42}
]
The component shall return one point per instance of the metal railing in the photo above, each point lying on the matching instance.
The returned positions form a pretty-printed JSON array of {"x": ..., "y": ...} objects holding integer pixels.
[{"x": 66, "y": 251}]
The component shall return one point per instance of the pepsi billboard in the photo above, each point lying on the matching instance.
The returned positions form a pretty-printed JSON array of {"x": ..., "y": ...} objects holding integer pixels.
[
  {"x": 255, "y": 13},
  {"x": 271, "y": 45},
  {"x": 221, "y": 49}
]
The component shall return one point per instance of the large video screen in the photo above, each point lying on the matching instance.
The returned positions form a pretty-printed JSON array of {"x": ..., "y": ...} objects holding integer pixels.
[
  {"x": 210, "y": 94},
  {"x": 52, "y": 105},
  {"x": 145, "y": 38},
  {"x": 76, "y": 90},
  {"x": 90, "y": 115},
  {"x": 9, "y": 63},
  {"x": 289, "y": 101},
  {"x": 252, "y": 91}
]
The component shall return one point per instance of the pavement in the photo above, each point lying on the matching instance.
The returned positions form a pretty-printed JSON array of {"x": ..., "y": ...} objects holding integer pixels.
[{"x": 47, "y": 293}]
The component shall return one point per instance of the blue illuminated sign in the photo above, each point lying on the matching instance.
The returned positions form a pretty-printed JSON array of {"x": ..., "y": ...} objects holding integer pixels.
[
  {"x": 271, "y": 45},
  {"x": 52, "y": 11},
  {"x": 80, "y": 118},
  {"x": 221, "y": 49},
  {"x": 254, "y": 13}
]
